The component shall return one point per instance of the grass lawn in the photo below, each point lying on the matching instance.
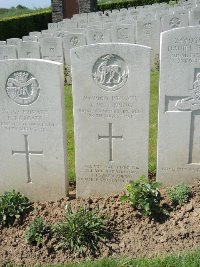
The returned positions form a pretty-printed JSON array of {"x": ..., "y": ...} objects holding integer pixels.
[
  {"x": 191, "y": 259},
  {"x": 152, "y": 128}
]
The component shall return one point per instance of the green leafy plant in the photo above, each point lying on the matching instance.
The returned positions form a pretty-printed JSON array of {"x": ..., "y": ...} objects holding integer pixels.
[
  {"x": 13, "y": 205},
  {"x": 81, "y": 230},
  {"x": 36, "y": 232},
  {"x": 179, "y": 194},
  {"x": 143, "y": 195}
]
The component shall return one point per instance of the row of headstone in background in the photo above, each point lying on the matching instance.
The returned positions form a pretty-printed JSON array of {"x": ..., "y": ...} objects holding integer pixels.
[
  {"x": 58, "y": 49},
  {"x": 144, "y": 28},
  {"x": 129, "y": 16}
]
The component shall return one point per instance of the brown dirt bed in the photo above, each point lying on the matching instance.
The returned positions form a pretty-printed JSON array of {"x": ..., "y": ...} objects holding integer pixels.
[{"x": 135, "y": 235}]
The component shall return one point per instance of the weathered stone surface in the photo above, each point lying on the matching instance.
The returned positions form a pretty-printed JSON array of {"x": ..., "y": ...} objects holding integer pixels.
[
  {"x": 8, "y": 52},
  {"x": 123, "y": 33},
  {"x": 38, "y": 34},
  {"x": 32, "y": 125},
  {"x": 72, "y": 40},
  {"x": 13, "y": 41},
  {"x": 29, "y": 50},
  {"x": 98, "y": 36},
  {"x": 194, "y": 17},
  {"x": 52, "y": 27},
  {"x": 111, "y": 110},
  {"x": 178, "y": 158},
  {"x": 174, "y": 21},
  {"x": 52, "y": 49},
  {"x": 30, "y": 38}
]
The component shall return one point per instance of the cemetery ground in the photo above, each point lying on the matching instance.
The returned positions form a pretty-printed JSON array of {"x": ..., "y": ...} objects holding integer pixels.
[{"x": 132, "y": 235}]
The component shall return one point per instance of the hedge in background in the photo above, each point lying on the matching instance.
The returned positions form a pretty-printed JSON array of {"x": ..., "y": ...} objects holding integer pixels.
[
  {"x": 16, "y": 27},
  {"x": 126, "y": 4}
]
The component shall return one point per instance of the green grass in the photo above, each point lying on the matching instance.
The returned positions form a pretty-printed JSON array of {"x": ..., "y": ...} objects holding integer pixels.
[
  {"x": 152, "y": 128},
  {"x": 191, "y": 259},
  {"x": 153, "y": 120},
  {"x": 70, "y": 133},
  {"x": 16, "y": 12}
]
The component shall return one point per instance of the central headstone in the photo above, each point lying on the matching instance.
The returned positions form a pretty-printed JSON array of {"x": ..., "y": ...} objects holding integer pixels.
[
  {"x": 32, "y": 126},
  {"x": 111, "y": 111}
]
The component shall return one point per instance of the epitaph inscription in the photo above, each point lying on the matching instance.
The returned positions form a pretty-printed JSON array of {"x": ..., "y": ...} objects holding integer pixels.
[
  {"x": 22, "y": 87},
  {"x": 110, "y": 72}
]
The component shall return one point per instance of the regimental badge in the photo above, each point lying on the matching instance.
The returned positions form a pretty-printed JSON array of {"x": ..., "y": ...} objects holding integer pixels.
[
  {"x": 110, "y": 72},
  {"x": 22, "y": 87}
]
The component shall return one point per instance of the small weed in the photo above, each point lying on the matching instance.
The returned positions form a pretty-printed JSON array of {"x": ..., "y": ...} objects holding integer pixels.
[
  {"x": 179, "y": 194},
  {"x": 7, "y": 263},
  {"x": 82, "y": 230},
  {"x": 36, "y": 232},
  {"x": 144, "y": 196},
  {"x": 13, "y": 205}
]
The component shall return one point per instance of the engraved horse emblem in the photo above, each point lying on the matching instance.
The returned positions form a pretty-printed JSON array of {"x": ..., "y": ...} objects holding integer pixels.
[
  {"x": 110, "y": 73},
  {"x": 192, "y": 102}
]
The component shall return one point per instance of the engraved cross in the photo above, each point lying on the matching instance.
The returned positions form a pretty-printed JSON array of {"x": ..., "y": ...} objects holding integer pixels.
[
  {"x": 110, "y": 138},
  {"x": 189, "y": 104},
  {"x": 27, "y": 153}
]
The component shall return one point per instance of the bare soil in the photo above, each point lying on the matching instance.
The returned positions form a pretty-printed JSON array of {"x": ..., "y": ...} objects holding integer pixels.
[{"x": 134, "y": 235}]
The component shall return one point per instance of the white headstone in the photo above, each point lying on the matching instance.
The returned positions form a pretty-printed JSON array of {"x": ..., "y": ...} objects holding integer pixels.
[
  {"x": 8, "y": 52},
  {"x": 13, "y": 41},
  {"x": 44, "y": 31},
  {"x": 2, "y": 42},
  {"x": 30, "y": 38},
  {"x": 52, "y": 49},
  {"x": 178, "y": 157},
  {"x": 148, "y": 33},
  {"x": 38, "y": 34},
  {"x": 174, "y": 21},
  {"x": 71, "y": 40},
  {"x": 111, "y": 110},
  {"x": 52, "y": 27},
  {"x": 98, "y": 36},
  {"x": 29, "y": 50},
  {"x": 123, "y": 33},
  {"x": 32, "y": 125},
  {"x": 194, "y": 17},
  {"x": 63, "y": 25}
]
